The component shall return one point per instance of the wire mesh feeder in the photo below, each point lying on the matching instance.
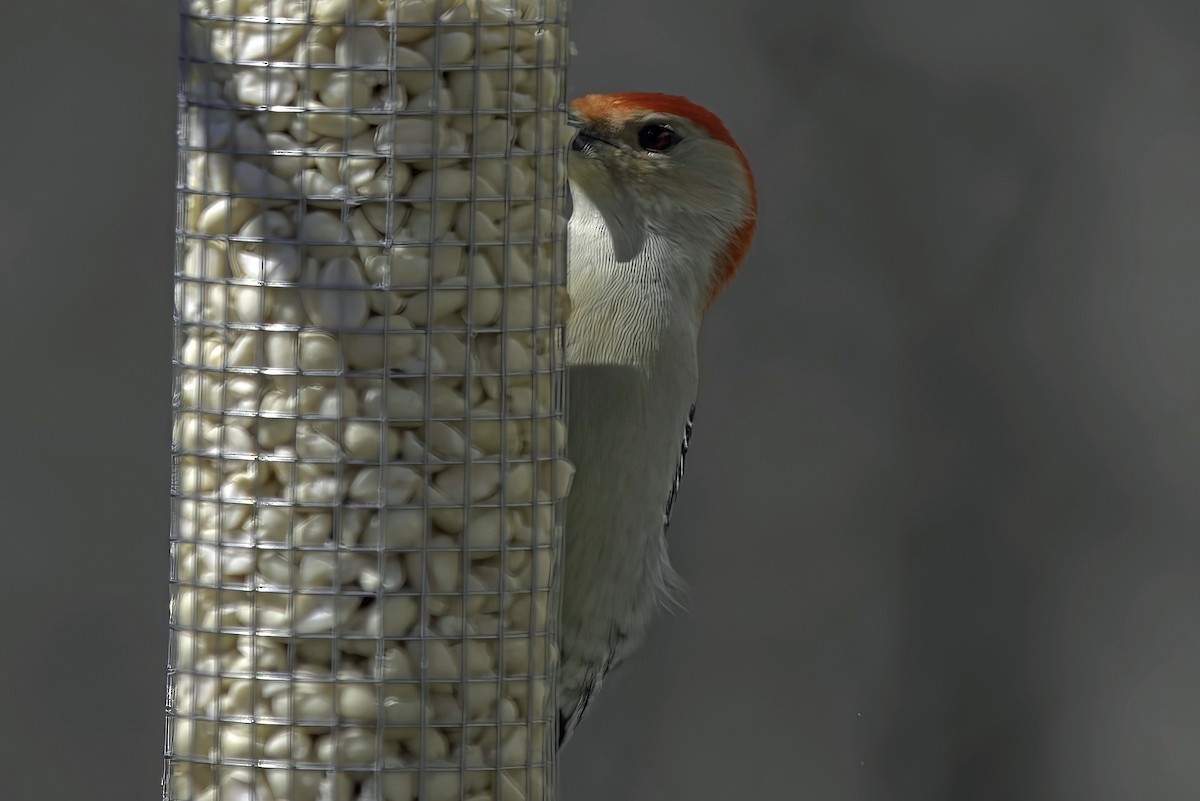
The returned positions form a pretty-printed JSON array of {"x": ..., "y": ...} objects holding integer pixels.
[{"x": 368, "y": 412}]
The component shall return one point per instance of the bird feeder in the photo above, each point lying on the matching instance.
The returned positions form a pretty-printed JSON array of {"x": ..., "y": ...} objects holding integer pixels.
[{"x": 368, "y": 407}]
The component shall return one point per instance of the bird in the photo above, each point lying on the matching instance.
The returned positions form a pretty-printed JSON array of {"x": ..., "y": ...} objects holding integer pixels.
[{"x": 663, "y": 212}]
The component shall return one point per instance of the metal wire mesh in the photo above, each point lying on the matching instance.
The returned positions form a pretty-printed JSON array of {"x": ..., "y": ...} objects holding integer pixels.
[{"x": 369, "y": 432}]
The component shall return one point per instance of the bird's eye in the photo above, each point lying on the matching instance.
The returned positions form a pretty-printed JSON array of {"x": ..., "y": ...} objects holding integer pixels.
[{"x": 657, "y": 138}]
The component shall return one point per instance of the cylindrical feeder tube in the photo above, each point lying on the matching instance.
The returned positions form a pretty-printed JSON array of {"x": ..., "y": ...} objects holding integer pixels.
[{"x": 368, "y": 415}]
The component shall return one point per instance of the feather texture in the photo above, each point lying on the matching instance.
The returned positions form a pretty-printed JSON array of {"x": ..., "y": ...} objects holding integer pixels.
[{"x": 655, "y": 234}]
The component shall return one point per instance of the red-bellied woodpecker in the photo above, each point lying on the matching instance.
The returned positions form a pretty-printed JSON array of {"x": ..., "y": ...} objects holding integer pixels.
[{"x": 664, "y": 210}]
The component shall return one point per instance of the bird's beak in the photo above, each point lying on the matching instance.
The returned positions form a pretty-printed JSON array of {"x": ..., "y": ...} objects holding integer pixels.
[{"x": 587, "y": 140}]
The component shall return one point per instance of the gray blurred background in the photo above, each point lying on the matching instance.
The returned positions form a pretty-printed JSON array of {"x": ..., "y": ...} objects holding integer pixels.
[{"x": 940, "y": 520}]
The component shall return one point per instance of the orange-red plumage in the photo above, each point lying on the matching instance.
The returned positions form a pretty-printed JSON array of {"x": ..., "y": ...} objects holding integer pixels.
[{"x": 621, "y": 106}]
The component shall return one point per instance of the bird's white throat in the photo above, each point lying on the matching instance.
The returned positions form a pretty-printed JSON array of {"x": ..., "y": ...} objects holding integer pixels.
[{"x": 634, "y": 291}]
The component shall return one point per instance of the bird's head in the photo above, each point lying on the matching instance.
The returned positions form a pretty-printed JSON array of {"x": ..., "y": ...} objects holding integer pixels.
[{"x": 661, "y": 164}]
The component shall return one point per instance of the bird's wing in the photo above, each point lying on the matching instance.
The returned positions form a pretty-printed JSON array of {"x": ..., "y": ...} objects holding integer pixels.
[
  {"x": 569, "y": 720},
  {"x": 683, "y": 449}
]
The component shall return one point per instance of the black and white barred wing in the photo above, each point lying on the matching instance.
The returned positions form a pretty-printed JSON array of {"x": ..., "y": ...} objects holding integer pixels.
[{"x": 683, "y": 449}]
